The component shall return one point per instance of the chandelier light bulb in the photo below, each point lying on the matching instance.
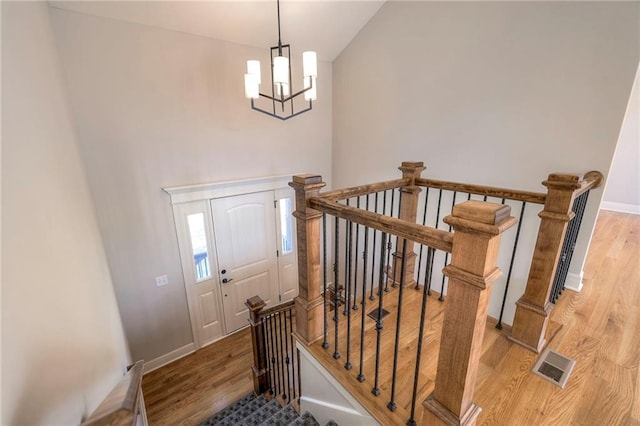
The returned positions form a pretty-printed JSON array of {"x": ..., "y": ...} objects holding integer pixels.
[
  {"x": 251, "y": 86},
  {"x": 253, "y": 67},
  {"x": 310, "y": 64},
  {"x": 281, "y": 70}
]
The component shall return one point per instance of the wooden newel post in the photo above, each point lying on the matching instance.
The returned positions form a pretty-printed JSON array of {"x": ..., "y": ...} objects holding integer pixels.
[
  {"x": 472, "y": 271},
  {"x": 408, "y": 211},
  {"x": 533, "y": 308},
  {"x": 259, "y": 368},
  {"x": 309, "y": 314}
]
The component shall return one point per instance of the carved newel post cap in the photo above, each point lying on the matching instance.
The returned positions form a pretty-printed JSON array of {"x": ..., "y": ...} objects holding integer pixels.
[
  {"x": 306, "y": 179},
  {"x": 255, "y": 303},
  {"x": 480, "y": 216}
]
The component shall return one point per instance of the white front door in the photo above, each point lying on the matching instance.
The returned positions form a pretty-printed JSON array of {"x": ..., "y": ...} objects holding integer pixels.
[{"x": 245, "y": 234}]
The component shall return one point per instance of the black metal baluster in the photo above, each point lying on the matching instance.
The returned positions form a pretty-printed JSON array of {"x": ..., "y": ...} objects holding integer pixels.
[
  {"x": 280, "y": 337},
  {"x": 416, "y": 376},
  {"x": 347, "y": 270},
  {"x": 336, "y": 296},
  {"x": 513, "y": 256},
  {"x": 379, "y": 325},
  {"x": 355, "y": 269},
  {"x": 347, "y": 301},
  {"x": 389, "y": 245},
  {"x": 292, "y": 353},
  {"x": 286, "y": 353},
  {"x": 267, "y": 353},
  {"x": 437, "y": 220},
  {"x": 365, "y": 256},
  {"x": 373, "y": 250},
  {"x": 274, "y": 354},
  {"x": 392, "y": 403},
  {"x": 446, "y": 255},
  {"x": 424, "y": 221},
  {"x": 325, "y": 335},
  {"x": 395, "y": 262}
]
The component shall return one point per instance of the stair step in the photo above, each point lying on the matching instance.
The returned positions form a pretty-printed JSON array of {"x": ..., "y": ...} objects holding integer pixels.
[
  {"x": 283, "y": 417},
  {"x": 305, "y": 420},
  {"x": 258, "y": 411},
  {"x": 236, "y": 412},
  {"x": 260, "y": 415}
]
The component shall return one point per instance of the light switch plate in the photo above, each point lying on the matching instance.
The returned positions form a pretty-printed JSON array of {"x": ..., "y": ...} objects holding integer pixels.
[{"x": 162, "y": 280}]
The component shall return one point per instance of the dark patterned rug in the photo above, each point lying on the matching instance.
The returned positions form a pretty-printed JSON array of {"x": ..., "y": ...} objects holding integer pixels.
[{"x": 252, "y": 410}]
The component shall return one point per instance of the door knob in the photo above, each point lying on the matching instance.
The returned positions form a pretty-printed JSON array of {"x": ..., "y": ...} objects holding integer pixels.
[{"x": 225, "y": 280}]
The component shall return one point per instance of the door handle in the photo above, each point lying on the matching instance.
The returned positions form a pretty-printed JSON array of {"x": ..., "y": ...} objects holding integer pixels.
[{"x": 226, "y": 280}]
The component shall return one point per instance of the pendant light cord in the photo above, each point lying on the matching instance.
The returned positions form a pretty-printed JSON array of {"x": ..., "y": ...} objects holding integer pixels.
[{"x": 279, "y": 39}]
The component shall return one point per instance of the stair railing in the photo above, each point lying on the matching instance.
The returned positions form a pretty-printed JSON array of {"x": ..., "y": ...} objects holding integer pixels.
[
  {"x": 275, "y": 362},
  {"x": 473, "y": 246},
  {"x": 382, "y": 218}
]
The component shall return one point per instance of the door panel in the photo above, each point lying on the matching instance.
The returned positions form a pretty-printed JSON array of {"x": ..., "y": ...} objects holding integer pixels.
[{"x": 244, "y": 227}]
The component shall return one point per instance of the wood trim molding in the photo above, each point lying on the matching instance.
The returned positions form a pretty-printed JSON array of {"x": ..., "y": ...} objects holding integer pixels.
[{"x": 207, "y": 191}]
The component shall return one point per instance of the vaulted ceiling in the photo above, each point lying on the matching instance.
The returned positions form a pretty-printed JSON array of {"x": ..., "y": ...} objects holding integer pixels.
[{"x": 324, "y": 26}]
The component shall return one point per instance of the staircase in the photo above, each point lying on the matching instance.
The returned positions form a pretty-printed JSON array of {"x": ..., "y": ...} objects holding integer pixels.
[{"x": 254, "y": 410}]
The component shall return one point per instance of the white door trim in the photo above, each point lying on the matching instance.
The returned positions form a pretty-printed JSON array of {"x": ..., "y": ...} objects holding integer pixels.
[
  {"x": 182, "y": 195},
  {"x": 207, "y": 191}
]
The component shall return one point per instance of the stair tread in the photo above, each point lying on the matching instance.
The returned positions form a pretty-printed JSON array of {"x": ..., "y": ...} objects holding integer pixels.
[
  {"x": 264, "y": 412},
  {"x": 305, "y": 420},
  {"x": 283, "y": 417},
  {"x": 236, "y": 412}
]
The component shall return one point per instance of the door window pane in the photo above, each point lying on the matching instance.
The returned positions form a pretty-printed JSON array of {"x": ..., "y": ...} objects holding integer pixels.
[
  {"x": 199, "y": 245},
  {"x": 286, "y": 229}
]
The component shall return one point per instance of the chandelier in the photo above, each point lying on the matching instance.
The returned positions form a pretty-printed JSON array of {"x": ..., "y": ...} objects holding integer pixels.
[{"x": 282, "y": 98}]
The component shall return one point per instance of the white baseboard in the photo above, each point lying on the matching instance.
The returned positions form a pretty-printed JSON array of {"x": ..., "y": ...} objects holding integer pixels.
[
  {"x": 574, "y": 281},
  {"x": 620, "y": 207},
  {"x": 174, "y": 355}
]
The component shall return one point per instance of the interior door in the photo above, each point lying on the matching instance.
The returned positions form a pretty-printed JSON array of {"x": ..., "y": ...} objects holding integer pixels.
[{"x": 245, "y": 234}]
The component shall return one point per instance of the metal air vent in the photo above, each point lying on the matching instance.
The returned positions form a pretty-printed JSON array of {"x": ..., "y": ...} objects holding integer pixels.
[{"x": 554, "y": 367}]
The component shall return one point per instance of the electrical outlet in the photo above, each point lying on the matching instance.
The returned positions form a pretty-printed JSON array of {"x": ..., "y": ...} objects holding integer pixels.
[{"x": 162, "y": 280}]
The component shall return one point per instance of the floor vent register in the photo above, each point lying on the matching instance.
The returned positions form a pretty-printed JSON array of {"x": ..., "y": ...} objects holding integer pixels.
[{"x": 554, "y": 367}]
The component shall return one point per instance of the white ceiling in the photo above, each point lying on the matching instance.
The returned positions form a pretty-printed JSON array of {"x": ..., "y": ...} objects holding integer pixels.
[{"x": 324, "y": 26}]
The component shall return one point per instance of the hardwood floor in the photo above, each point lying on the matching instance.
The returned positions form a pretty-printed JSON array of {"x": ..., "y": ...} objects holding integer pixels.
[
  {"x": 197, "y": 386},
  {"x": 600, "y": 329}
]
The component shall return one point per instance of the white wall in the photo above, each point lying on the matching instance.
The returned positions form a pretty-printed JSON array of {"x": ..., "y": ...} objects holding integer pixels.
[
  {"x": 63, "y": 345},
  {"x": 622, "y": 191},
  {"x": 499, "y": 93},
  {"x": 158, "y": 108}
]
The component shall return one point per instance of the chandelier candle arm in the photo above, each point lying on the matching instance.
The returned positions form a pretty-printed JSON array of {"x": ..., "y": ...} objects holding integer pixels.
[{"x": 281, "y": 80}]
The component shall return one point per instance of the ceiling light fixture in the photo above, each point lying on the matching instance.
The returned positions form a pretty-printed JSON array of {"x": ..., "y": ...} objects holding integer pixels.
[{"x": 281, "y": 86}]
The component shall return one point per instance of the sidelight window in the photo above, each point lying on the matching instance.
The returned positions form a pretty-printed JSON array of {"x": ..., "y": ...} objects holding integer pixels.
[{"x": 198, "y": 237}]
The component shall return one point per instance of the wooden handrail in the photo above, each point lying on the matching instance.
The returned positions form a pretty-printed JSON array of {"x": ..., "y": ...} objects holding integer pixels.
[
  {"x": 590, "y": 180},
  {"x": 120, "y": 407},
  {"x": 490, "y": 191},
  {"x": 275, "y": 309},
  {"x": 356, "y": 191},
  {"x": 436, "y": 238}
]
